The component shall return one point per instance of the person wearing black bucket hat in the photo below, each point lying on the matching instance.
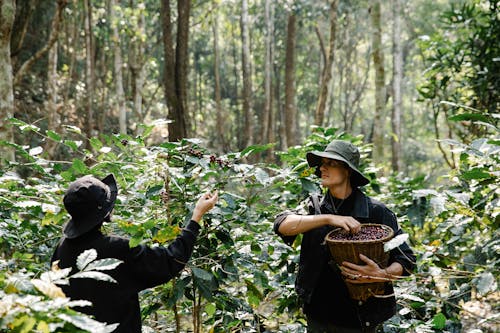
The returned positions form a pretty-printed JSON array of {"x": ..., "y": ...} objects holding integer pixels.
[
  {"x": 320, "y": 284},
  {"x": 90, "y": 203}
]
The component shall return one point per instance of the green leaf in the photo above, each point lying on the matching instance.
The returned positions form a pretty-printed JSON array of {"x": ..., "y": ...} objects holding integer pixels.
[
  {"x": 96, "y": 143},
  {"x": 476, "y": 173},
  {"x": 469, "y": 116},
  {"x": 87, "y": 323},
  {"x": 79, "y": 166},
  {"x": 53, "y": 135},
  {"x": 104, "y": 264},
  {"x": 85, "y": 258},
  {"x": 210, "y": 309},
  {"x": 255, "y": 149},
  {"x": 439, "y": 321},
  {"x": 73, "y": 144},
  {"x": 93, "y": 275},
  {"x": 201, "y": 274},
  {"x": 135, "y": 240},
  {"x": 73, "y": 129}
]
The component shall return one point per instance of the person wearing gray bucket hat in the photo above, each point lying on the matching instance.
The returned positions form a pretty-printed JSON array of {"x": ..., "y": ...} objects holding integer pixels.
[
  {"x": 322, "y": 285},
  {"x": 90, "y": 202},
  {"x": 339, "y": 150}
]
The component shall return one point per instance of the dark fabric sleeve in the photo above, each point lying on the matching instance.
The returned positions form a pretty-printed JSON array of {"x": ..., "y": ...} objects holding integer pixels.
[
  {"x": 277, "y": 222},
  {"x": 156, "y": 265},
  {"x": 403, "y": 254}
]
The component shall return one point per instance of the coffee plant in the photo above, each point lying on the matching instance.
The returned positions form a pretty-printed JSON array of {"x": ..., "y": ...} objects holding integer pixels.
[{"x": 241, "y": 275}]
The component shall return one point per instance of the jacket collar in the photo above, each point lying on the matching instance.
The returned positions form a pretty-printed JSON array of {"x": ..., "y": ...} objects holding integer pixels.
[{"x": 361, "y": 204}]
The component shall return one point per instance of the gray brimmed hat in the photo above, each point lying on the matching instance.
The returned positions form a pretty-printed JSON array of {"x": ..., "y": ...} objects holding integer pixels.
[
  {"x": 342, "y": 151},
  {"x": 89, "y": 201}
]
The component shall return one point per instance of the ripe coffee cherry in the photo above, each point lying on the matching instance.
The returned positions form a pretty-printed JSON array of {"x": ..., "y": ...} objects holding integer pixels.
[{"x": 367, "y": 233}]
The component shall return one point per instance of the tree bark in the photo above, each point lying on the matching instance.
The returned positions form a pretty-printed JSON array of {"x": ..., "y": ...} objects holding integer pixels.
[
  {"x": 380, "y": 89},
  {"x": 291, "y": 123},
  {"x": 89, "y": 69},
  {"x": 20, "y": 28},
  {"x": 118, "y": 66},
  {"x": 327, "y": 70},
  {"x": 53, "y": 116},
  {"x": 247, "y": 80},
  {"x": 7, "y": 16},
  {"x": 268, "y": 117},
  {"x": 136, "y": 64},
  {"x": 176, "y": 67},
  {"x": 396, "y": 87},
  {"x": 220, "y": 137}
]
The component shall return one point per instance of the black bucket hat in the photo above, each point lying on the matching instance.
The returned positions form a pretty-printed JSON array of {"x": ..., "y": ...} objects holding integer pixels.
[
  {"x": 89, "y": 201},
  {"x": 342, "y": 151}
]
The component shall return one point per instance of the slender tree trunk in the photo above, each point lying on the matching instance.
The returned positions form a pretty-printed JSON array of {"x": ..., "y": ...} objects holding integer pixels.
[
  {"x": 396, "y": 88},
  {"x": 247, "y": 81},
  {"x": 7, "y": 15},
  {"x": 53, "y": 116},
  {"x": 89, "y": 69},
  {"x": 327, "y": 70},
  {"x": 264, "y": 121},
  {"x": 136, "y": 63},
  {"x": 290, "y": 112},
  {"x": 271, "y": 127},
  {"x": 181, "y": 66},
  {"x": 21, "y": 23},
  {"x": 176, "y": 67},
  {"x": 118, "y": 66},
  {"x": 380, "y": 89},
  {"x": 220, "y": 135}
]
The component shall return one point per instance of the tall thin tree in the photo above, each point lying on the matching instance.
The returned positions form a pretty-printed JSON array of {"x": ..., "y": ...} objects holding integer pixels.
[
  {"x": 290, "y": 113},
  {"x": 7, "y": 15},
  {"x": 397, "y": 79},
  {"x": 327, "y": 70},
  {"x": 118, "y": 66},
  {"x": 176, "y": 67},
  {"x": 247, "y": 79},
  {"x": 380, "y": 89}
]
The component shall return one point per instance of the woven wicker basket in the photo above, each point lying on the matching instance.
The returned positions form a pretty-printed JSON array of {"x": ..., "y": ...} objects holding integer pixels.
[{"x": 349, "y": 250}]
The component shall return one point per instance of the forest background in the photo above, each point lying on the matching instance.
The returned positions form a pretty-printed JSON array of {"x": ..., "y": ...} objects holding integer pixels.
[{"x": 178, "y": 97}]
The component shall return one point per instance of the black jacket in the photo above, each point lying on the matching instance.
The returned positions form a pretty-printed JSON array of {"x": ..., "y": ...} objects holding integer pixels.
[
  {"x": 316, "y": 278},
  {"x": 143, "y": 267}
]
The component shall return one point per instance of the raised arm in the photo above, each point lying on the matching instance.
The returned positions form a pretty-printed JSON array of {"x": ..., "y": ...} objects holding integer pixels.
[{"x": 297, "y": 224}]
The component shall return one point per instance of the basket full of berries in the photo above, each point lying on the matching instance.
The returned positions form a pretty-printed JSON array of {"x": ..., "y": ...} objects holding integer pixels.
[{"x": 369, "y": 241}]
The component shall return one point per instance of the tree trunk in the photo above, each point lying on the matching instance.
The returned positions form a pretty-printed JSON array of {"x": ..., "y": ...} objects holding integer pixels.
[
  {"x": 23, "y": 17},
  {"x": 220, "y": 137},
  {"x": 89, "y": 69},
  {"x": 327, "y": 70},
  {"x": 7, "y": 15},
  {"x": 380, "y": 89},
  {"x": 247, "y": 80},
  {"x": 176, "y": 67},
  {"x": 290, "y": 112},
  {"x": 396, "y": 87},
  {"x": 136, "y": 64},
  {"x": 118, "y": 66},
  {"x": 181, "y": 66},
  {"x": 53, "y": 116}
]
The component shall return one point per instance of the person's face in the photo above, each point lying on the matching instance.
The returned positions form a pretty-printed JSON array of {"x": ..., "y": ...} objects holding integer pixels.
[{"x": 334, "y": 173}]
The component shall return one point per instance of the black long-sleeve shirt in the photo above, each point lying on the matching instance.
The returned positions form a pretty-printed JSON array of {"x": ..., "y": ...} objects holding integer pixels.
[
  {"x": 143, "y": 267},
  {"x": 321, "y": 286}
]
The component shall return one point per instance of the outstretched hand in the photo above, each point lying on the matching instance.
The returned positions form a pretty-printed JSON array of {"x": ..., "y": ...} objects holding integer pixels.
[{"x": 204, "y": 204}]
